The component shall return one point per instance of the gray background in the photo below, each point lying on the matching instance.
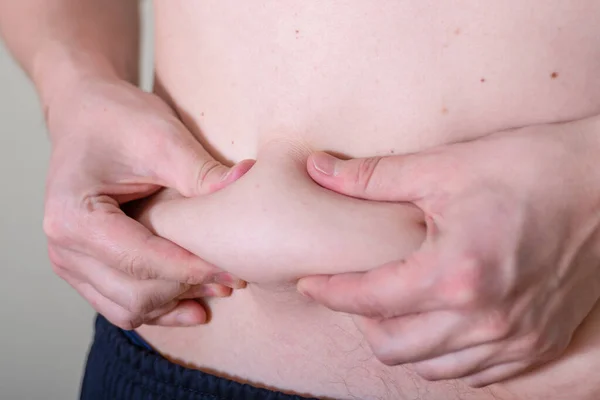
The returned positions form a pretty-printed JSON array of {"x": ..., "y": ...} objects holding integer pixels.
[{"x": 45, "y": 328}]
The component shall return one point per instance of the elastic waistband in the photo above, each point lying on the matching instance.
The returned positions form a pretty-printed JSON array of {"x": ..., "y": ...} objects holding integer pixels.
[{"x": 117, "y": 369}]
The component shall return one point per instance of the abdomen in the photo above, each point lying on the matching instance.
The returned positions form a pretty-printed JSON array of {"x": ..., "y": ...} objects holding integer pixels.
[{"x": 358, "y": 78}]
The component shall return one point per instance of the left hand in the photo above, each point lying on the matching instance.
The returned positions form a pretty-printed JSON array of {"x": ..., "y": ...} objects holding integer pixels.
[{"x": 509, "y": 267}]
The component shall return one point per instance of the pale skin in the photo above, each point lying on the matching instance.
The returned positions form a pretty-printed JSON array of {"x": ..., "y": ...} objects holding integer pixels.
[{"x": 359, "y": 79}]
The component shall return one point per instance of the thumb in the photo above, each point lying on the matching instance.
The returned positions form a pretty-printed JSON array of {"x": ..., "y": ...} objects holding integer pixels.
[
  {"x": 188, "y": 168},
  {"x": 393, "y": 178}
]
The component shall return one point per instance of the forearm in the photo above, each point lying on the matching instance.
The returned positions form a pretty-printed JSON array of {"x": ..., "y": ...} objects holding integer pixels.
[{"x": 57, "y": 42}]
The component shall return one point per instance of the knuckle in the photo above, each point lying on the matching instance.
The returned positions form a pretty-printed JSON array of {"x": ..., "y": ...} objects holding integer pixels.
[
  {"x": 384, "y": 356},
  {"x": 382, "y": 345},
  {"x": 473, "y": 382},
  {"x": 126, "y": 321},
  {"x": 555, "y": 351},
  {"x": 139, "y": 303},
  {"x": 204, "y": 170},
  {"x": 195, "y": 278},
  {"x": 530, "y": 344},
  {"x": 194, "y": 273},
  {"x": 466, "y": 287},
  {"x": 55, "y": 227},
  {"x": 429, "y": 372},
  {"x": 132, "y": 265},
  {"x": 552, "y": 349},
  {"x": 370, "y": 301},
  {"x": 498, "y": 325},
  {"x": 366, "y": 171}
]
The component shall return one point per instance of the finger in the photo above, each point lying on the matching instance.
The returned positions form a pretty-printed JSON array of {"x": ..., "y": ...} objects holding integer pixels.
[
  {"x": 396, "y": 178},
  {"x": 120, "y": 242},
  {"x": 183, "y": 164},
  {"x": 135, "y": 296},
  {"x": 414, "y": 338},
  {"x": 132, "y": 192},
  {"x": 210, "y": 290},
  {"x": 462, "y": 363},
  {"x": 234, "y": 173},
  {"x": 495, "y": 374},
  {"x": 125, "y": 319},
  {"x": 447, "y": 272},
  {"x": 390, "y": 290},
  {"x": 186, "y": 313}
]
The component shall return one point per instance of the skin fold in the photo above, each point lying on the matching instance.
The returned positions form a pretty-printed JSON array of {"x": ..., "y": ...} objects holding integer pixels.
[{"x": 275, "y": 224}]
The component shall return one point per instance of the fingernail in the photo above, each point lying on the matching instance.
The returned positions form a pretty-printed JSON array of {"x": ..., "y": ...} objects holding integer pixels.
[
  {"x": 224, "y": 291},
  {"x": 303, "y": 291},
  {"x": 225, "y": 278},
  {"x": 216, "y": 290},
  {"x": 226, "y": 175},
  {"x": 240, "y": 168},
  {"x": 325, "y": 163},
  {"x": 240, "y": 284}
]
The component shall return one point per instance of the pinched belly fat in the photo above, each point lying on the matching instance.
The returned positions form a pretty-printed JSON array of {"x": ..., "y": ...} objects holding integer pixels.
[{"x": 276, "y": 225}]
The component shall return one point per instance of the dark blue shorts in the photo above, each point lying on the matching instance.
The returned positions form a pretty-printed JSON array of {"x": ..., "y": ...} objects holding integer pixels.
[{"x": 121, "y": 366}]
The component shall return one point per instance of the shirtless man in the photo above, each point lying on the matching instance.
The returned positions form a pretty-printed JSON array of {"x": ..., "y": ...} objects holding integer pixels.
[{"x": 276, "y": 81}]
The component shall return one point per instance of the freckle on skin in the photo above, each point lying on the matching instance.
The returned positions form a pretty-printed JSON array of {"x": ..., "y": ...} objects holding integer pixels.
[
  {"x": 554, "y": 75},
  {"x": 392, "y": 151},
  {"x": 457, "y": 31},
  {"x": 232, "y": 142},
  {"x": 482, "y": 80},
  {"x": 444, "y": 110},
  {"x": 202, "y": 114}
]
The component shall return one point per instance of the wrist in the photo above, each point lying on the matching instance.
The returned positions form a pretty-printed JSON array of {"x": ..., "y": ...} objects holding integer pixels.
[{"x": 61, "y": 69}]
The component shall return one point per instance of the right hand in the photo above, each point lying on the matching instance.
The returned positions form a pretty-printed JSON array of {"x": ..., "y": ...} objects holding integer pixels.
[{"x": 113, "y": 143}]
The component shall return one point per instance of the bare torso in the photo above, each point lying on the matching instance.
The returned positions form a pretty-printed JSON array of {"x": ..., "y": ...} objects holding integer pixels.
[{"x": 277, "y": 79}]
